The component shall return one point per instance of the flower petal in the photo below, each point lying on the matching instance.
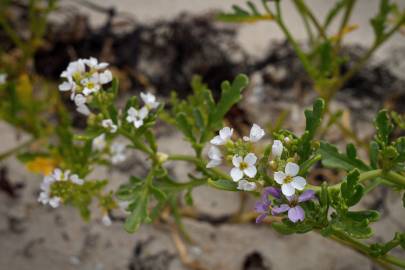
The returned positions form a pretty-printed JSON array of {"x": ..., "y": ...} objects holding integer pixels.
[
  {"x": 299, "y": 182},
  {"x": 217, "y": 140},
  {"x": 292, "y": 169},
  {"x": 280, "y": 209},
  {"x": 261, "y": 207},
  {"x": 288, "y": 189},
  {"x": 214, "y": 153},
  {"x": 275, "y": 192},
  {"x": 236, "y": 160},
  {"x": 296, "y": 214},
  {"x": 143, "y": 113},
  {"x": 246, "y": 185},
  {"x": 279, "y": 177},
  {"x": 306, "y": 195},
  {"x": 226, "y": 133},
  {"x": 250, "y": 171},
  {"x": 256, "y": 133},
  {"x": 261, "y": 217},
  {"x": 277, "y": 148},
  {"x": 213, "y": 163},
  {"x": 236, "y": 174},
  {"x": 250, "y": 159}
]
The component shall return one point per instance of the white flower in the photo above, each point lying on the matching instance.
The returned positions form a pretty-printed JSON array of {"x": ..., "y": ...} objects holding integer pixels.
[
  {"x": 3, "y": 78},
  {"x": 137, "y": 116},
  {"x": 92, "y": 62},
  {"x": 243, "y": 166},
  {"x": 256, "y": 133},
  {"x": 215, "y": 156},
  {"x": 246, "y": 185},
  {"x": 99, "y": 142},
  {"x": 117, "y": 151},
  {"x": 106, "y": 220},
  {"x": 105, "y": 77},
  {"x": 225, "y": 135},
  {"x": 74, "y": 70},
  {"x": 277, "y": 148},
  {"x": 109, "y": 124},
  {"x": 289, "y": 180},
  {"x": 149, "y": 100},
  {"x": 91, "y": 85},
  {"x": 76, "y": 180}
]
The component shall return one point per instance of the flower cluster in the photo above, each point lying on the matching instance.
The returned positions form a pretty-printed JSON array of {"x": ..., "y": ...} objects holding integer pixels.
[
  {"x": 85, "y": 77},
  {"x": 116, "y": 151},
  {"x": 137, "y": 117},
  {"x": 244, "y": 165},
  {"x": 46, "y": 196}
]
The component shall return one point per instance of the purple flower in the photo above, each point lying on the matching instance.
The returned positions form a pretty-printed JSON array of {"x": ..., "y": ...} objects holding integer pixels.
[
  {"x": 264, "y": 205},
  {"x": 295, "y": 212}
]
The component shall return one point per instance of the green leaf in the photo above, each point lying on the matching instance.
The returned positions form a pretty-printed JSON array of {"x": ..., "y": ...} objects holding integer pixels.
[
  {"x": 331, "y": 158},
  {"x": 223, "y": 184},
  {"x": 184, "y": 125},
  {"x": 384, "y": 127},
  {"x": 374, "y": 155},
  {"x": 313, "y": 121},
  {"x": 240, "y": 15},
  {"x": 359, "y": 230},
  {"x": 189, "y": 197},
  {"x": 350, "y": 189},
  {"x": 283, "y": 228},
  {"x": 157, "y": 193},
  {"x": 370, "y": 215},
  {"x": 400, "y": 146},
  {"x": 139, "y": 213},
  {"x": 379, "y": 22},
  {"x": 230, "y": 95}
]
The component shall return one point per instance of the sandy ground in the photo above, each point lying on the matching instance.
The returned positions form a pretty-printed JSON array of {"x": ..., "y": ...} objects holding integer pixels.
[{"x": 35, "y": 237}]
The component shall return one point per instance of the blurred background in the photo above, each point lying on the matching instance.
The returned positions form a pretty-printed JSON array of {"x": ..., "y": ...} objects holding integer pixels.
[{"x": 159, "y": 45}]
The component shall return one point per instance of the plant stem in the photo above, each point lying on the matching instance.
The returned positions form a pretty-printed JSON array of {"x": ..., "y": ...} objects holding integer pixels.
[
  {"x": 385, "y": 261},
  {"x": 318, "y": 26},
  {"x": 345, "y": 20},
  {"x": 301, "y": 55}
]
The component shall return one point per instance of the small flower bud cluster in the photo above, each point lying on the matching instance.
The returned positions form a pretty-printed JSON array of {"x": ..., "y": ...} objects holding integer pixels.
[
  {"x": 137, "y": 117},
  {"x": 85, "y": 77},
  {"x": 46, "y": 196}
]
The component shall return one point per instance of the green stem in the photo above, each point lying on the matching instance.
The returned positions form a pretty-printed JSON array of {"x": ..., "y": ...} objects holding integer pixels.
[
  {"x": 301, "y": 55},
  {"x": 345, "y": 20},
  {"x": 312, "y": 17},
  {"x": 386, "y": 261}
]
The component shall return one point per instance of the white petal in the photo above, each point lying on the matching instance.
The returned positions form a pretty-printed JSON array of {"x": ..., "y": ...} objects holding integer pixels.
[
  {"x": 106, "y": 220},
  {"x": 279, "y": 177},
  {"x": 277, "y": 148},
  {"x": 214, "y": 153},
  {"x": 287, "y": 189},
  {"x": 292, "y": 169},
  {"x": 226, "y": 133},
  {"x": 299, "y": 182},
  {"x": 236, "y": 174},
  {"x": 213, "y": 163},
  {"x": 246, "y": 139},
  {"x": 83, "y": 109},
  {"x": 143, "y": 113},
  {"x": 54, "y": 202},
  {"x": 250, "y": 159},
  {"x": 217, "y": 140},
  {"x": 246, "y": 185},
  {"x": 65, "y": 86},
  {"x": 80, "y": 100},
  {"x": 236, "y": 160},
  {"x": 105, "y": 77},
  {"x": 256, "y": 133},
  {"x": 138, "y": 123},
  {"x": 132, "y": 112},
  {"x": 250, "y": 171}
]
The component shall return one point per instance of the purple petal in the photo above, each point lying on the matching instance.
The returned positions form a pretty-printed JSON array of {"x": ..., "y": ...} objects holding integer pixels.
[
  {"x": 280, "y": 209},
  {"x": 275, "y": 192},
  {"x": 296, "y": 214},
  {"x": 306, "y": 195},
  {"x": 260, "y": 218},
  {"x": 261, "y": 207}
]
